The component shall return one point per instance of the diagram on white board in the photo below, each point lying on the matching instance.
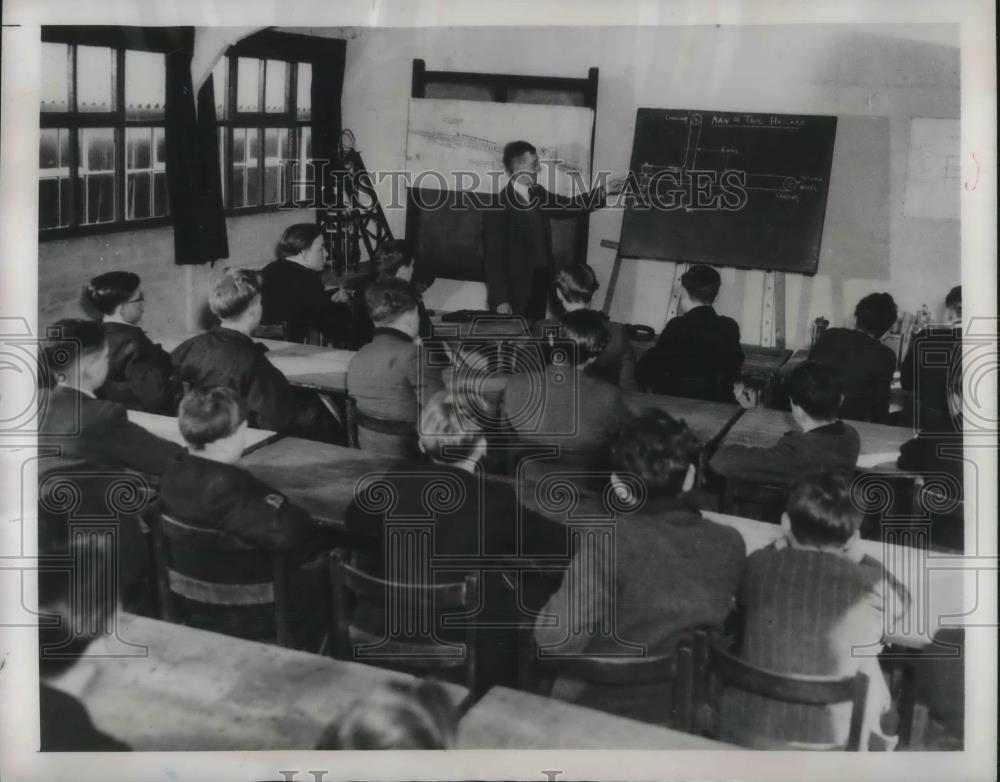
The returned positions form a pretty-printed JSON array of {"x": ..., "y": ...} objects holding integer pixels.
[
  {"x": 933, "y": 169},
  {"x": 458, "y": 144}
]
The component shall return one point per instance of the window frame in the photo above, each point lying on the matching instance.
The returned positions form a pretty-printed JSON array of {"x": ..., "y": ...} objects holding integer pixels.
[
  {"x": 118, "y": 40},
  {"x": 289, "y": 49}
]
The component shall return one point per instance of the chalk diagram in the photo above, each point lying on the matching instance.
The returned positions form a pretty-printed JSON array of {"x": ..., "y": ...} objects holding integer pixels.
[{"x": 698, "y": 158}]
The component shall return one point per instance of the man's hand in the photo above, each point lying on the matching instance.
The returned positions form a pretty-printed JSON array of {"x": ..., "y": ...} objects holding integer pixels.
[
  {"x": 341, "y": 296},
  {"x": 504, "y": 308}
]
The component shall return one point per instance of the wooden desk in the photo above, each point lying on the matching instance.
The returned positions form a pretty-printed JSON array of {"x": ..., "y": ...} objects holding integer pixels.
[
  {"x": 309, "y": 366},
  {"x": 319, "y": 477},
  {"x": 940, "y": 585},
  {"x": 761, "y": 364},
  {"x": 762, "y": 427},
  {"x": 166, "y": 427},
  {"x": 195, "y": 690},
  {"x": 510, "y": 719}
]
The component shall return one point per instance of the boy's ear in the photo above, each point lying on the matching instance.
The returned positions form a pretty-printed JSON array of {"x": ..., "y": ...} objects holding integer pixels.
[
  {"x": 689, "y": 478},
  {"x": 786, "y": 525}
]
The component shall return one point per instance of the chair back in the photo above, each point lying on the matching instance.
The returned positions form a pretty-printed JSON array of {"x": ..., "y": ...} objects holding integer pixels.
[
  {"x": 277, "y": 331},
  {"x": 537, "y": 674},
  {"x": 357, "y": 419},
  {"x": 409, "y": 645},
  {"x": 711, "y": 660},
  {"x": 214, "y": 581}
]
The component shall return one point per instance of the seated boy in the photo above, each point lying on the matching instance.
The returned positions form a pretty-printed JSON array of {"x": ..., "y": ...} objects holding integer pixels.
[
  {"x": 698, "y": 353},
  {"x": 865, "y": 366},
  {"x": 924, "y": 371},
  {"x": 807, "y": 599},
  {"x": 203, "y": 487},
  {"x": 393, "y": 258},
  {"x": 226, "y": 355},
  {"x": 672, "y": 571},
  {"x": 387, "y": 377},
  {"x": 567, "y": 405},
  {"x": 822, "y": 441}
]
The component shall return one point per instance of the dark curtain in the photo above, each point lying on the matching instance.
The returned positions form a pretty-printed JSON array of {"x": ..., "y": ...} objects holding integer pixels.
[
  {"x": 192, "y": 142},
  {"x": 327, "y": 86}
]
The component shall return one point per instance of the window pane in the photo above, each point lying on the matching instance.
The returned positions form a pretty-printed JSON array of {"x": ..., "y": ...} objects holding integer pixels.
[
  {"x": 223, "y": 171},
  {"x": 161, "y": 202},
  {"x": 271, "y": 142},
  {"x": 145, "y": 84},
  {"x": 253, "y": 188},
  {"x": 272, "y": 193},
  {"x": 239, "y": 187},
  {"x": 284, "y": 151},
  {"x": 220, "y": 84},
  {"x": 49, "y": 147},
  {"x": 160, "y": 144},
  {"x": 53, "y": 178},
  {"x": 305, "y": 143},
  {"x": 55, "y": 77},
  {"x": 97, "y": 175},
  {"x": 247, "y": 85},
  {"x": 138, "y": 148},
  {"x": 274, "y": 87},
  {"x": 303, "y": 97},
  {"x": 95, "y": 78},
  {"x": 253, "y": 145},
  {"x": 137, "y": 197},
  {"x": 239, "y": 145}
]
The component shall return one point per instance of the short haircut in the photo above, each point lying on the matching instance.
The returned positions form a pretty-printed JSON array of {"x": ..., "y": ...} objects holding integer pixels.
[
  {"x": 658, "y": 449},
  {"x": 816, "y": 388},
  {"x": 392, "y": 255},
  {"x": 577, "y": 283},
  {"x": 106, "y": 292},
  {"x": 389, "y": 298},
  {"x": 296, "y": 238},
  {"x": 513, "y": 151},
  {"x": 821, "y": 509},
  {"x": 588, "y": 330},
  {"x": 702, "y": 283},
  {"x": 396, "y": 715},
  {"x": 70, "y": 340},
  {"x": 953, "y": 300},
  {"x": 234, "y": 293},
  {"x": 209, "y": 414},
  {"x": 876, "y": 313},
  {"x": 447, "y": 422}
]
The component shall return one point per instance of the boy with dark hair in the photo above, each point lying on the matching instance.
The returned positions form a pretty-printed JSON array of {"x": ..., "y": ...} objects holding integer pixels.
[
  {"x": 865, "y": 366},
  {"x": 140, "y": 374},
  {"x": 386, "y": 377},
  {"x": 698, "y": 353},
  {"x": 807, "y": 600},
  {"x": 672, "y": 570},
  {"x": 822, "y": 442},
  {"x": 226, "y": 355},
  {"x": 924, "y": 372},
  {"x": 204, "y": 487},
  {"x": 394, "y": 258},
  {"x": 568, "y": 405}
]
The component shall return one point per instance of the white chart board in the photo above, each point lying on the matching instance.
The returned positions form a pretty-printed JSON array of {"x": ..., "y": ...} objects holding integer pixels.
[
  {"x": 446, "y": 137},
  {"x": 933, "y": 170}
]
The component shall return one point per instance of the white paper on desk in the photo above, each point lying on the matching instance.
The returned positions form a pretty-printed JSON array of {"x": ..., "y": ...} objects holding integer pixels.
[{"x": 870, "y": 460}]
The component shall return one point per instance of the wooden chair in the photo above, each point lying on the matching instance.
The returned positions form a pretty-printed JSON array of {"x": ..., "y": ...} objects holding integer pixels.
[
  {"x": 537, "y": 674},
  {"x": 185, "y": 560},
  {"x": 356, "y": 419},
  {"x": 711, "y": 660},
  {"x": 350, "y": 586},
  {"x": 277, "y": 331}
]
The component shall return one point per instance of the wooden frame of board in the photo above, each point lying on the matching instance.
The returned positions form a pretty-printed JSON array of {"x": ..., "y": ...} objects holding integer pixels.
[{"x": 499, "y": 87}]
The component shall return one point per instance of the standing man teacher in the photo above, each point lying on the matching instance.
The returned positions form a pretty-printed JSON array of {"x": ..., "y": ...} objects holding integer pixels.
[{"x": 518, "y": 237}]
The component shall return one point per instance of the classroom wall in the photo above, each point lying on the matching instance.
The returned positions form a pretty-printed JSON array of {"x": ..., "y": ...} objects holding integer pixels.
[
  {"x": 874, "y": 78},
  {"x": 176, "y": 296}
]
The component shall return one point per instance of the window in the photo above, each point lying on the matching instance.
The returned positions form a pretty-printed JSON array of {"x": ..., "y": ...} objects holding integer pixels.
[
  {"x": 102, "y": 157},
  {"x": 264, "y": 108}
]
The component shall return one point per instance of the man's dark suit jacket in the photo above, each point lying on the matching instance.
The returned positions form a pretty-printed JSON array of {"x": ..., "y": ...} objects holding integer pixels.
[
  {"x": 865, "y": 367},
  {"x": 223, "y": 357},
  {"x": 673, "y": 571},
  {"x": 295, "y": 295},
  {"x": 517, "y": 241},
  {"x": 479, "y": 523},
  {"x": 832, "y": 447},
  {"x": 140, "y": 375},
  {"x": 698, "y": 355}
]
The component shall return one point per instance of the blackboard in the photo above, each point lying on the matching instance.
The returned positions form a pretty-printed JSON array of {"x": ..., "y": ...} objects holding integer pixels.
[{"x": 728, "y": 188}]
